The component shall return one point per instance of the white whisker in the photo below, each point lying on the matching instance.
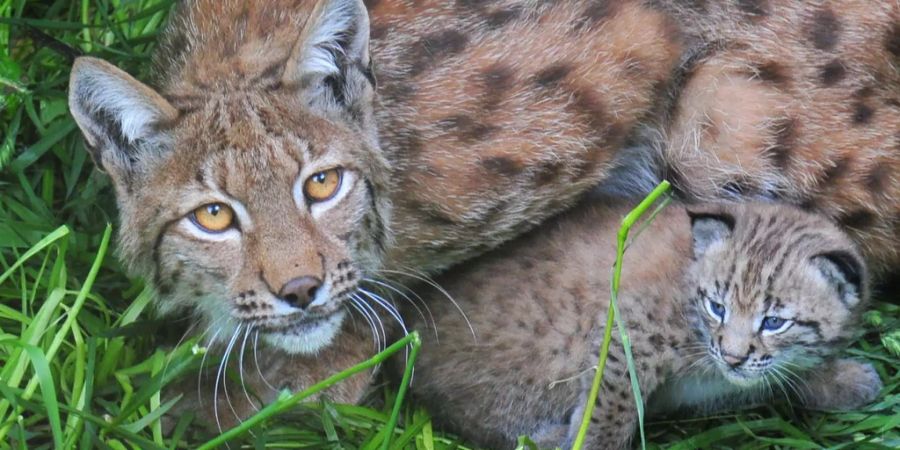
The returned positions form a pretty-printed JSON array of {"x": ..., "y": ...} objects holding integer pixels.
[
  {"x": 362, "y": 312},
  {"x": 202, "y": 364},
  {"x": 241, "y": 367},
  {"x": 443, "y": 291},
  {"x": 391, "y": 309},
  {"x": 178, "y": 344},
  {"x": 256, "y": 362},
  {"x": 220, "y": 374},
  {"x": 395, "y": 314},
  {"x": 411, "y": 302},
  {"x": 382, "y": 338}
]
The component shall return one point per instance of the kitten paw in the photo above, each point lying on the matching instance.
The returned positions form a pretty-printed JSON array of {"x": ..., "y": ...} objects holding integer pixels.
[{"x": 845, "y": 384}]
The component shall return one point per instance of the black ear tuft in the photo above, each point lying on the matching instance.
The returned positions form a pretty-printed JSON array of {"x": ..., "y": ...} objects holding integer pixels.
[
  {"x": 119, "y": 116},
  {"x": 708, "y": 229},
  {"x": 725, "y": 218},
  {"x": 331, "y": 59},
  {"x": 845, "y": 271}
]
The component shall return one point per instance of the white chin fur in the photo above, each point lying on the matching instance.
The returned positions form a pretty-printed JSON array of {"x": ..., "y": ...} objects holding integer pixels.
[
  {"x": 741, "y": 380},
  {"x": 315, "y": 338}
]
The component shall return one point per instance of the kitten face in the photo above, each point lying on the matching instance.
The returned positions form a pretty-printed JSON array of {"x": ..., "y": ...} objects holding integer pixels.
[
  {"x": 773, "y": 293},
  {"x": 255, "y": 199}
]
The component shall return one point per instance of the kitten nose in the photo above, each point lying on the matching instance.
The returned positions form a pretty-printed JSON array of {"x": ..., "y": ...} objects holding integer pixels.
[
  {"x": 732, "y": 360},
  {"x": 300, "y": 291}
]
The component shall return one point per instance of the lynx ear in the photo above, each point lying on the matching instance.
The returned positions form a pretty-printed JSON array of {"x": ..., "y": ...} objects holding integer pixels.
[
  {"x": 708, "y": 229},
  {"x": 845, "y": 272},
  {"x": 330, "y": 61},
  {"x": 118, "y": 115}
]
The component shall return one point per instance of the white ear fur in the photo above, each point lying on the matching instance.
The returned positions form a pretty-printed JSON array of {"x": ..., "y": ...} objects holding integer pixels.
[
  {"x": 113, "y": 109},
  {"x": 324, "y": 42},
  {"x": 845, "y": 272},
  {"x": 337, "y": 34},
  {"x": 708, "y": 230}
]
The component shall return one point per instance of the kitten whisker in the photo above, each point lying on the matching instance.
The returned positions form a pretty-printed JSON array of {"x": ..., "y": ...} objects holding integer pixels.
[
  {"x": 778, "y": 377},
  {"x": 793, "y": 379}
]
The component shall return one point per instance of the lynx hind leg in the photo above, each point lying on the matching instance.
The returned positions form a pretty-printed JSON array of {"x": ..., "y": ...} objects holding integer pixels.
[
  {"x": 614, "y": 419},
  {"x": 843, "y": 384}
]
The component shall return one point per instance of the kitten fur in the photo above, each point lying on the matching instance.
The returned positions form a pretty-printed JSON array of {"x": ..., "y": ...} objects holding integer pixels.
[
  {"x": 538, "y": 306},
  {"x": 794, "y": 102},
  {"x": 454, "y": 138}
]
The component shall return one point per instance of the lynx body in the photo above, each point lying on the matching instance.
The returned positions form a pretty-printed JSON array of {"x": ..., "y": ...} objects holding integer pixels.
[{"x": 725, "y": 306}]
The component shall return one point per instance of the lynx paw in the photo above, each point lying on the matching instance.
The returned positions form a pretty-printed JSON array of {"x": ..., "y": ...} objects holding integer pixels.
[{"x": 844, "y": 385}]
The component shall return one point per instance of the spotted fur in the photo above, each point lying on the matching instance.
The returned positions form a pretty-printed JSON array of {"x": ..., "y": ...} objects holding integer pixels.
[
  {"x": 797, "y": 102},
  {"x": 453, "y": 138},
  {"x": 537, "y": 309}
]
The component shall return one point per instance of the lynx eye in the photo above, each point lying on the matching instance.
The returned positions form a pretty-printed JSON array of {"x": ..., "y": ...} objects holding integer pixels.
[
  {"x": 213, "y": 217},
  {"x": 716, "y": 309},
  {"x": 774, "y": 324},
  {"x": 322, "y": 185}
]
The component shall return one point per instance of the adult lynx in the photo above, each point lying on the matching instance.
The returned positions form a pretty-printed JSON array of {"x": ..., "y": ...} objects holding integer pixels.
[{"x": 263, "y": 177}]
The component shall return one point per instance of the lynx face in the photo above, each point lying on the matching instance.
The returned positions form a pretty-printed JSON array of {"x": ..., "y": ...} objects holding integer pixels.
[
  {"x": 256, "y": 202},
  {"x": 772, "y": 295}
]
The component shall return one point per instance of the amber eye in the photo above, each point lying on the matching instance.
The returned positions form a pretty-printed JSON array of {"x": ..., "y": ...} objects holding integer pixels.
[
  {"x": 214, "y": 217},
  {"x": 322, "y": 185}
]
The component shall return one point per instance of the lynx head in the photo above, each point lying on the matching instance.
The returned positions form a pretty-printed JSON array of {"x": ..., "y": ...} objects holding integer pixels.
[
  {"x": 251, "y": 187},
  {"x": 774, "y": 290}
]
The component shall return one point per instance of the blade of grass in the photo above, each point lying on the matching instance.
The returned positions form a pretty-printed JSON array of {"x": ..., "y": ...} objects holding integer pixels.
[
  {"x": 285, "y": 402},
  {"x": 72, "y": 313},
  {"x": 48, "y": 388},
  {"x": 630, "y": 219},
  {"x": 54, "y": 236}
]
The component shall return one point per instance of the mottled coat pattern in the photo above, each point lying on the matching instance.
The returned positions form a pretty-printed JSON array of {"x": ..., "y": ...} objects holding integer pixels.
[
  {"x": 796, "y": 102},
  {"x": 537, "y": 311},
  {"x": 459, "y": 125},
  {"x": 450, "y": 137}
]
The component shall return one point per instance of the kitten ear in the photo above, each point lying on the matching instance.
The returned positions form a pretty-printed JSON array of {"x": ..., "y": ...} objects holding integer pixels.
[
  {"x": 330, "y": 62},
  {"x": 708, "y": 229},
  {"x": 845, "y": 272},
  {"x": 118, "y": 115}
]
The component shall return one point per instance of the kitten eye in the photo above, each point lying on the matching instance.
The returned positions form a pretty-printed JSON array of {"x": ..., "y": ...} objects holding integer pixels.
[
  {"x": 771, "y": 323},
  {"x": 717, "y": 309},
  {"x": 213, "y": 217},
  {"x": 322, "y": 185}
]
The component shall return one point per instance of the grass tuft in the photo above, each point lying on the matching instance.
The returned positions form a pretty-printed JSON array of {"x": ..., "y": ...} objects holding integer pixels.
[{"x": 82, "y": 362}]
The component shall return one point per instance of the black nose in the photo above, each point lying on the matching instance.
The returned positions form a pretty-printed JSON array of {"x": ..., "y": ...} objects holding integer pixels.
[{"x": 300, "y": 291}]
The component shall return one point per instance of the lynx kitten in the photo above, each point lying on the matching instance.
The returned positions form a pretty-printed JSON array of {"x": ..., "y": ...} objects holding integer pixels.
[{"x": 724, "y": 305}]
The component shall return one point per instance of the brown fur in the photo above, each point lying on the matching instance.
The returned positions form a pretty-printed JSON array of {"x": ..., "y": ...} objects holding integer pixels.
[
  {"x": 797, "y": 102},
  {"x": 459, "y": 138},
  {"x": 537, "y": 308},
  {"x": 470, "y": 139}
]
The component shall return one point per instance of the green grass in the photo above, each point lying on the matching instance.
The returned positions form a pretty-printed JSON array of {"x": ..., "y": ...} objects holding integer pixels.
[{"x": 83, "y": 361}]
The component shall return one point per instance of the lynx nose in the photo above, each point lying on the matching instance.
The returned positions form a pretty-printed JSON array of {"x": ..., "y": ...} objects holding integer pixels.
[
  {"x": 733, "y": 361},
  {"x": 300, "y": 291}
]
